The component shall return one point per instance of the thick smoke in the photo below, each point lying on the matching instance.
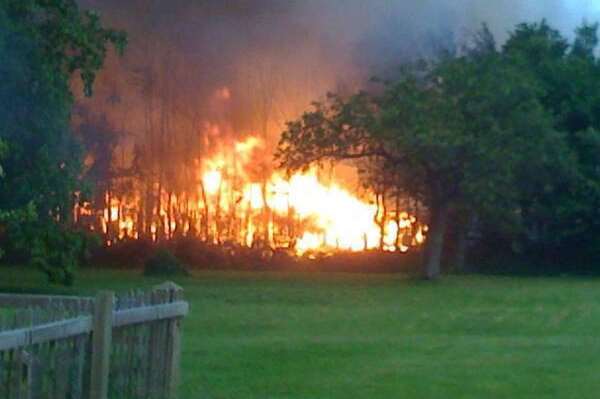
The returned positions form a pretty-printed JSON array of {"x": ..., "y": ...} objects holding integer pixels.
[
  {"x": 199, "y": 75},
  {"x": 275, "y": 56}
]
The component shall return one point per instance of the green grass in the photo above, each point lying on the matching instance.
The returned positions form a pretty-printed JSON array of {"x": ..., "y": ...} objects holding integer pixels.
[{"x": 267, "y": 335}]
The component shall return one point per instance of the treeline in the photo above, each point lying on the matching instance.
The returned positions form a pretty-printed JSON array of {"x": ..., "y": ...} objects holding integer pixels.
[
  {"x": 498, "y": 144},
  {"x": 501, "y": 143},
  {"x": 170, "y": 111},
  {"x": 44, "y": 44},
  {"x": 170, "y": 117}
]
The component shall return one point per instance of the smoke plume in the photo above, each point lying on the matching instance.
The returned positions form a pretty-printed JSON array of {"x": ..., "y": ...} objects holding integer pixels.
[{"x": 252, "y": 64}]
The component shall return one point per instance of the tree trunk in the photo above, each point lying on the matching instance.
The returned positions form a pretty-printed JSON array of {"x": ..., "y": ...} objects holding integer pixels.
[
  {"x": 380, "y": 218},
  {"x": 218, "y": 221},
  {"x": 268, "y": 232},
  {"x": 170, "y": 216},
  {"x": 160, "y": 228},
  {"x": 462, "y": 241},
  {"x": 435, "y": 241},
  {"x": 291, "y": 226},
  {"x": 109, "y": 218},
  {"x": 461, "y": 249},
  {"x": 397, "y": 220},
  {"x": 119, "y": 219},
  {"x": 205, "y": 224},
  {"x": 149, "y": 209}
]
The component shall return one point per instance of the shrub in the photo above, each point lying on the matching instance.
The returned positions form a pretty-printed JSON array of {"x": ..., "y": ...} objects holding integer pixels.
[
  {"x": 126, "y": 254},
  {"x": 198, "y": 254},
  {"x": 163, "y": 263},
  {"x": 45, "y": 244},
  {"x": 59, "y": 253}
]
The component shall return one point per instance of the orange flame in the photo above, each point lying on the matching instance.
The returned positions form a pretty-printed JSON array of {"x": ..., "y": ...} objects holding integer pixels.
[{"x": 232, "y": 203}]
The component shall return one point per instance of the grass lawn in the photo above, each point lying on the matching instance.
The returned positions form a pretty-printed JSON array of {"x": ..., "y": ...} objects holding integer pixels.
[{"x": 268, "y": 335}]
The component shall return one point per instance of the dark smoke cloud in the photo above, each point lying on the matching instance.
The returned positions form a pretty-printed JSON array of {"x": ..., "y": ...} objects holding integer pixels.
[{"x": 276, "y": 56}]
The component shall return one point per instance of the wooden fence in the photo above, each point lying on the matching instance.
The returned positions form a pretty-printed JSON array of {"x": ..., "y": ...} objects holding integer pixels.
[{"x": 125, "y": 346}]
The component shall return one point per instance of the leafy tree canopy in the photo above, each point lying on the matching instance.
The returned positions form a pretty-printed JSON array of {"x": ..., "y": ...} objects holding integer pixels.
[
  {"x": 42, "y": 44},
  {"x": 482, "y": 130}
]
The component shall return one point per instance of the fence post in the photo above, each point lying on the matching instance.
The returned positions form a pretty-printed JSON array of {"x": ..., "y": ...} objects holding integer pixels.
[
  {"x": 101, "y": 344},
  {"x": 173, "y": 349},
  {"x": 34, "y": 377}
]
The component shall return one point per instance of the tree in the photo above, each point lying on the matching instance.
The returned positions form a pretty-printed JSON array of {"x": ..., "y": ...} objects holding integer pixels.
[
  {"x": 561, "y": 218},
  {"x": 447, "y": 126},
  {"x": 42, "y": 44}
]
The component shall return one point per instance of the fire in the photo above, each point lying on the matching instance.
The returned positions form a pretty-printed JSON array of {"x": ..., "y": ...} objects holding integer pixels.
[
  {"x": 253, "y": 196},
  {"x": 237, "y": 201},
  {"x": 212, "y": 181},
  {"x": 340, "y": 220}
]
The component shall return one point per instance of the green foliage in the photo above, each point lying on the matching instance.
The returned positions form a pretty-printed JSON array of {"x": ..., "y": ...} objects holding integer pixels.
[
  {"x": 42, "y": 44},
  {"x": 562, "y": 214},
  {"x": 3, "y": 151},
  {"x": 56, "y": 254},
  {"x": 510, "y": 135},
  {"x": 3, "y": 214},
  {"x": 70, "y": 40},
  {"x": 53, "y": 248},
  {"x": 164, "y": 264}
]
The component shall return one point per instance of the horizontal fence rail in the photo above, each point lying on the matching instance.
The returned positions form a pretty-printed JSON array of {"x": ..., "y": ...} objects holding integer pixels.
[
  {"x": 105, "y": 347},
  {"x": 24, "y": 300}
]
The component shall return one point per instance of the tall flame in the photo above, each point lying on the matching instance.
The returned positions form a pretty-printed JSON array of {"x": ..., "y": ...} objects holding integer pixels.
[{"x": 235, "y": 203}]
